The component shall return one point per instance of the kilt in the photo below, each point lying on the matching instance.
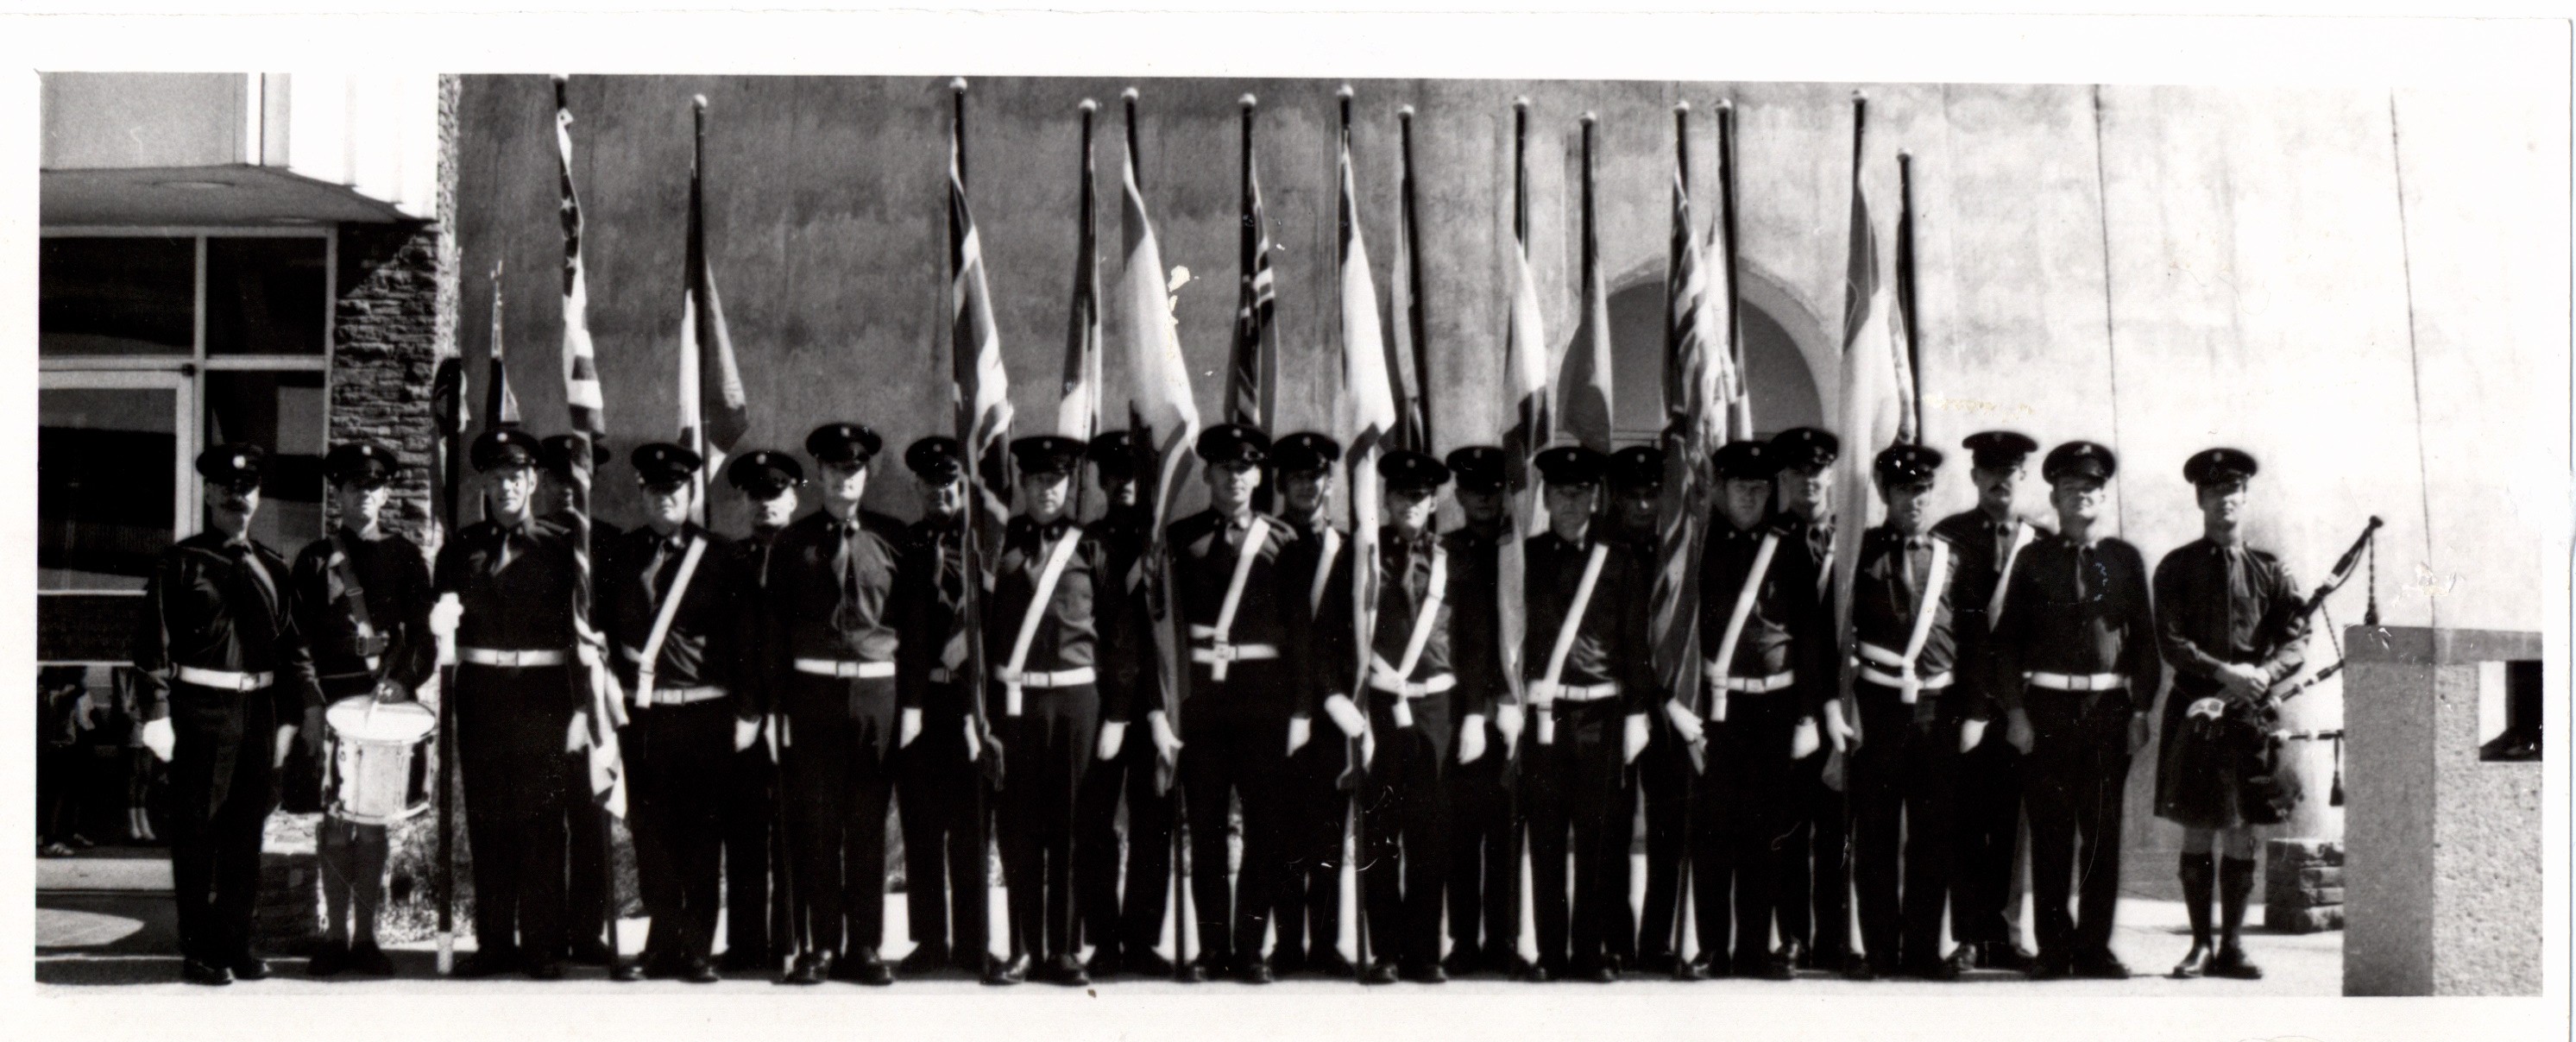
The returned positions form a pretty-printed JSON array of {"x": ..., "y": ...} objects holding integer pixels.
[{"x": 2219, "y": 774}]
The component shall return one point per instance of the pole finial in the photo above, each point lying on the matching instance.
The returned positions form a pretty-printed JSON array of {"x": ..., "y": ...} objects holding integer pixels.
[
  {"x": 1404, "y": 112},
  {"x": 1128, "y": 95},
  {"x": 1521, "y": 102},
  {"x": 1344, "y": 93},
  {"x": 1682, "y": 106},
  {"x": 1726, "y": 104},
  {"x": 1590, "y": 119},
  {"x": 1088, "y": 106},
  {"x": 1248, "y": 101},
  {"x": 958, "y": 84},
  {"x": 699, "y": 102}
]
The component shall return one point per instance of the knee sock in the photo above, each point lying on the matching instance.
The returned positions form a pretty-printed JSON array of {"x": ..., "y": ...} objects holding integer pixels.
[
  {"x": 2196, "y": 871},
  {"x": 2235, "y": 881}
]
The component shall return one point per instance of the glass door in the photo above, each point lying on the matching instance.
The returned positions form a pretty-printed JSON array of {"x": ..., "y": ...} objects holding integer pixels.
[{"x": 115, "y": 477}]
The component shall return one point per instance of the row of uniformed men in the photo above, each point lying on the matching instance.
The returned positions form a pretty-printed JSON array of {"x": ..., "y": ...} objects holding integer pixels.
[{"x": 837, "y": 636}]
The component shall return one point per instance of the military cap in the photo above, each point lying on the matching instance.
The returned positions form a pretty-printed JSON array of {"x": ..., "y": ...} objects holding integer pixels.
[
  {"x": 659, "y": 463},
  {"x": 556, "y": 453},
  {"x": 1906, "y": 463},
  {"x": 1412, "y": 471},
  {"x": 505, "y": 447},
  {"x": 1805, "y": 448},
  {"x": 764, "y": 474},
  {"x": 2214, "y": 466},
  {"x": 1571, "y": 465},
  {"x": 2079, "y": 459},
  {"x": 845, "y": 443},
  {"x": 1305, "y": 453},
  {"x": 1233, "y": 443},
  {"x": 1113, "y": 453},
  {"x": 1748, "y": 460},
  {"x": 1996, "y": 450},
  {"x": 1478, "y": 468},
  {"x": 1637, "y": 468},
  {"x": 935, "y": 459},
  {"x": 364, "y": 462},
  {"x": 1047, "y": 454},
  {"x": 238, "y": 466}
]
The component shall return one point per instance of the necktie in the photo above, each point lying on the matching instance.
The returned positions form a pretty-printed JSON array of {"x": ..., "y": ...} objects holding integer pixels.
[
  {"x": 249, "y": 562},
  {"x": 845, "y": 565},
  {"x": 662, "y": 550}
]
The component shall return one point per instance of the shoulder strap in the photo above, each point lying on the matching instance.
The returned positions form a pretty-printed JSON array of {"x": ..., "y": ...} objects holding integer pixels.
[
  {"x": 1744, "y": 598},
  {"x": 652, "y": 657},
  {"x": 2022, "y": 535},
  {"x": 1253, "y": 539},
  {"x": 345, "y": 572},
  {"x": 1430, "y": 612},
  {"x": 1573, "y": 624},
  {"x": 1045, "y": 592},
  {"x": 1332, "y": 538},
  {"x": 1926, "y": 605}
]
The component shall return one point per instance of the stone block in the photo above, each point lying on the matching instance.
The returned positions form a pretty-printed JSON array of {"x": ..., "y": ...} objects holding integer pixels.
[{"x": 2302, "y": 920}]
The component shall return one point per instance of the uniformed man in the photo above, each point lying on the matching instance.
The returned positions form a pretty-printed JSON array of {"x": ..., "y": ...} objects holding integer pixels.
[
  {"x": 831, "y": 583},
  {"x": 936, "y": 780},
  {"x": 1814, "y": 899},
  {"x": 675, "y": 616},
  {"x": 1309, "y": 917},
  {"x": 225, "y": 680},
  {"x": 2078, "y": 628},
  {"x": 1050, "y": 633},
  {"x": 1905, "y": 754},
  {"x": 1123, "y": 932},
  {"x": 1985, "y": 910},
  {"x": 2228, "y": 621},
  {"x": 586, "y": 893},
  {"x": 1662, "y": 780},
  {"x": 756, "y": 935},
  {"x": 1484, "y": 826},
  {"x": 1251, "y": 696},
  {"x": 1587, "y": 664},
  {"x": 1768, "y": 665},
  {"x": 517, "y": 710},
  {"x": 362, "y": 599},
  {"x": 1412, "y": 703}
]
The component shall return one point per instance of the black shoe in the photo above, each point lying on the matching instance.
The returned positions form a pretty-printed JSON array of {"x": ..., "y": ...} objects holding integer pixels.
[
  {"x": 1007, "y": 971},
  {"x": 1688, "y": 970},
  {"x": 737, "y": 960},
  {"x": 1254, "y": 970},
  {"x": 1462, "y": 962},
  {"x": 2194, "y": 963},
  {"x": 588, "y": 951},
  {"x": 1425, "y": 973},
  {"x": 2050, "y": 967},
  {"x": 1328, "y": 963},
  {"x": 1605, "y": 971},
  {"x": 1381, "y": 972},
  {"x": 2230, "y": 963},
  {"x": 1200, "y": 970},
  {"x": 622, "y": 971},
  {"x": 1067, "y": 970},
  {"x": 328, "y": 962},
  {"x": 1934, "y": 970},
  {"x": 924, "y": 959},
  {"x": 1501, "y": 958},
  {"x": 545, "y": 969},
  {"x": 658, "y": 964},
  {"x": 367, "y": 960},
  {"x": 1288, "y": 962},
  {"x": 1144, "y": 962},
  {"x": 1105, "y": 963},
  {"x": 1656, "y": 962},
  {"x": 1859, "y": 968},
  {"x": 249, "y": 967},
  {"x": 1965, "y": 957},
  {"x": 1773, "y": 968},
  {"x": 196, "y": 971},
  {"x": 863, "y": 967},
  {"x": 1793, "y": 953},
  {"x": 810, "y": 968},
  {"x": 487, "y": 963},
  {"x": 2102, "y": 966},
  {"x": 1536, "y": 972},
  {"x": 2004, "y": 955}
]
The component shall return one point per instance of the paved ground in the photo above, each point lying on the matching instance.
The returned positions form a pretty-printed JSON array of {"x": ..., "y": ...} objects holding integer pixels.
[{"x": 125, "y": 938}]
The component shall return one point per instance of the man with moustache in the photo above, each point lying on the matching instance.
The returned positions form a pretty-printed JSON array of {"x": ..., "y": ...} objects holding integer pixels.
[
  {"x": 1309, "y": 917},
  {"x": 1813, "y": 903},
  {"x": 756, "y": 935},
  {"x": 1123, "y": 931},
  {"x": 936, "y": 779},
  {"x": 1485, "y": 833}
]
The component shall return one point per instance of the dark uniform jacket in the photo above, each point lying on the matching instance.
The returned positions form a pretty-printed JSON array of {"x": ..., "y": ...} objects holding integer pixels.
[
  {"x": 707, "y": 635},
  {"x": 1125, "y": 533},
  {"x": 1273, "y": 611},
  {"x": 1475, "y": 624},
  {"x": 1076, "y": 627},
  {"x": 1404, "y": 589},
  {"x": 1888, "y": 592},
  {"x": 815, "y": 557},
  {"x": 761, "y": 643},
  {"x": 204, "y": 607},
  {"x": 2220, "y": 605},
  {"x": 928, "y": 606},
  {"x": 1334, "y": 639},
  {"x": 515, "y": 585},
  {"x": 1979, "y": 544},
  {"x": 1787, "y": 629},
  {"x": 1610, "y": 643},
  {"x": 393, "y": 584},
  {"x": 2078, "y": 610}
]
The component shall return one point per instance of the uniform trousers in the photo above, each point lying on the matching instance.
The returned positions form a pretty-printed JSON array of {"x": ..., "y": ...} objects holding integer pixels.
[
  {"x": 1404, "y": 827},
  {"x": 1814, "y": 897},
  {"x": 755, "y": 914},
  {"x": 1485, "y": 852},
  {"x": 672, "y": 752},
  {"x": 2075, "y": 774},
  {"x": 586, "y": 856},
  {"x": 943, "y": 855},
  {"x": 1741, "y": 823},
  {"x": 836, "y": 781},
  {"x": 1574, "y": 809},
  {"x": 1134, "y": 923},
  {"x": 1664, "y": 784},
  {"x": 1982, "y": 909},
  {"x": 1317, "y": 810},
  {"x": 1903, "y": 794},
  {"x": 1049, "y": 749},
  {"x": 222, "y": 787},
  {"x": 510, "y": 725},
  {"x": 1231, "y": 750}
]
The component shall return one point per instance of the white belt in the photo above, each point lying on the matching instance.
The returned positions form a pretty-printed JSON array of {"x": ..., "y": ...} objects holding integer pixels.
[
  {"x": 1882, "y": 678},
  {"x": 1587, "y": 692},
  {"x": 225, "y": 680},
  {"x": 1042, "y": 679},
  {"x": 1751, "y": 685},
  {"x": 1227, "y": 652},
  {"x": 679, "y": 696},
  {"x": 2079, "y": 681},
  {"x": 940, "y": 675},
  {"x": 827, "y": 667},
  {"x": 1437, "y": 683},
  {"x": 374, "y": 663},
  {"x": 511, "y": 659}
]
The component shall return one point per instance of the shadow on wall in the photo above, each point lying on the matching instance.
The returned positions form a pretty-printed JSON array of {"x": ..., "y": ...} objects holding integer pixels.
[{"x": 1783, "y": 346}]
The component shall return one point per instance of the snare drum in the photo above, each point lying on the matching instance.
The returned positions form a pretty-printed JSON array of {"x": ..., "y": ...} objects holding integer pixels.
[{"x": 377, "y": 773}]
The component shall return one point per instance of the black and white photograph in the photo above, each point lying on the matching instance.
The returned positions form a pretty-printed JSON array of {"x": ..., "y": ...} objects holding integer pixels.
[{"x": 1313, "y": 535}]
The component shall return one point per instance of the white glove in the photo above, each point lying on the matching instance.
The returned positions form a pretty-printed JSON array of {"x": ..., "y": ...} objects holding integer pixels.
[
  {"x": 85, "y": 712},
  {"x": 443, "y": 616},
  {"x": 1507, "y": 719},
  {"x": 1542, "y": 693},
  {"x": 285, "y": 742},
  {"x": 1633, "y": 740},
  {"x": 161, "y": 738},
  {"x": 1345, "y": 714},
  {"x": 745, "y": 732},
  {"x": 577, "y": 733},
  {"x": 391, "y": 691},
  {"x": 1167, "y": 744},
  {"x": 2017, "y": 730},
  {"x": 1113, "y": 737},
  {"x": 909, "y": 728},
  {"x": 1685, "y": 723},
  {"x": 1838, "y": 728},
  {"x": 1300, "y": 731},
  {"x": 974, "y": 739},
  {"x": 1471, "y": 738},
  {"x": 1971, "y": 732},
  {"x": 775, "y": 730},
  {"x": 1803, "y": 740}
]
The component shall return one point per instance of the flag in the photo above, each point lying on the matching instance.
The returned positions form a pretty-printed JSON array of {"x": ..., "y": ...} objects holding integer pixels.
[
  {"x": 1370, "y": 401},
  {"x": 1584, "y": 377},
  {"x": 980, "y": 391},
  {"x": 1526, "y": 404},
  {"x": 710, "y": 425},
  {"x": 1407, "y": 358},
  {"x": 1734, "y": 391},
  {"x": 1159, "y": 407},
  {"x": 1251, "y": 389},
  {"x": 1078, "y": 410},
  {"x": 1909, "y": 355},
  {"x": 1871, "y": 409},
  {"x": 592, "y": 677},
  {"x": 500, "y": 406},
  {"x": 582, "y": 397},
  {"x": 1694, "y": 425}
]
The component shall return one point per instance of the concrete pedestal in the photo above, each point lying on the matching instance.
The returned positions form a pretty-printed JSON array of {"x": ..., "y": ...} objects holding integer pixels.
[{"x": 2443, "y": 885}]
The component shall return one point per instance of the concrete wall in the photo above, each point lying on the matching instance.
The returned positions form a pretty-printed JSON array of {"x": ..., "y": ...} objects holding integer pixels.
[{"x": 2359, "y": 288}]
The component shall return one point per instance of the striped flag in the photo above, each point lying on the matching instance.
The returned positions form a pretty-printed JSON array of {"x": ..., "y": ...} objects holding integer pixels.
[
  {"x": 710, "y": 425},
  {"x": 1160, "y": 412},
  {"x": 982, "y": 389},
  {"x": 580, "y": 361},
  {"x": 1369, "y": 398},
  {"x": 1872, "y": 413},
  {"x": 1078, "y": 410},
  {"x": 1734, "y": 391},
  {"x": 1583, "y": 380},
  {"x": 1407, "y": 357},
  {"x": 1525, "y": 401},
  {"x": 584, "y": 414},
  {"x": 1909, "y": 355},
  {"x": 500, "y": 405},
  {"x": 1252, "y": 381},
  {"x": 1694, "y": 425}
]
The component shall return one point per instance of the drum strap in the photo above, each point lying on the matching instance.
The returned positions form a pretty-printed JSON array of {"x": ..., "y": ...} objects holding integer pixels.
[
  {"x": 345, "y": 572},
  {"x": 652, "y": 656}
]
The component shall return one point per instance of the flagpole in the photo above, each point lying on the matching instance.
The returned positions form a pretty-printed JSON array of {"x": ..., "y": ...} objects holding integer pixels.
[
  {"x": 1511, "y": 586},
  {"x": 1364, "y": 584},
  {"x": 1416, "y": 409},
  {"x": 447, "y": 400},
  {"x": 693, "y": 366},
  {"x": 968, "y": 419},
  {"x": 1740, "y": 408},
  {"x": 1082, "y": 348},
  {"x": 1912, "y": 421},
  {"x": 1681, "y": 433}
]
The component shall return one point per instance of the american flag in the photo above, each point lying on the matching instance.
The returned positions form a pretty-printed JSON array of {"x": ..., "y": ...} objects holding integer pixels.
[
  {"x": 1694, "y": 425},
  {"x": 1251, "y": 384},
  {"x": 588, "y": 421}
]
